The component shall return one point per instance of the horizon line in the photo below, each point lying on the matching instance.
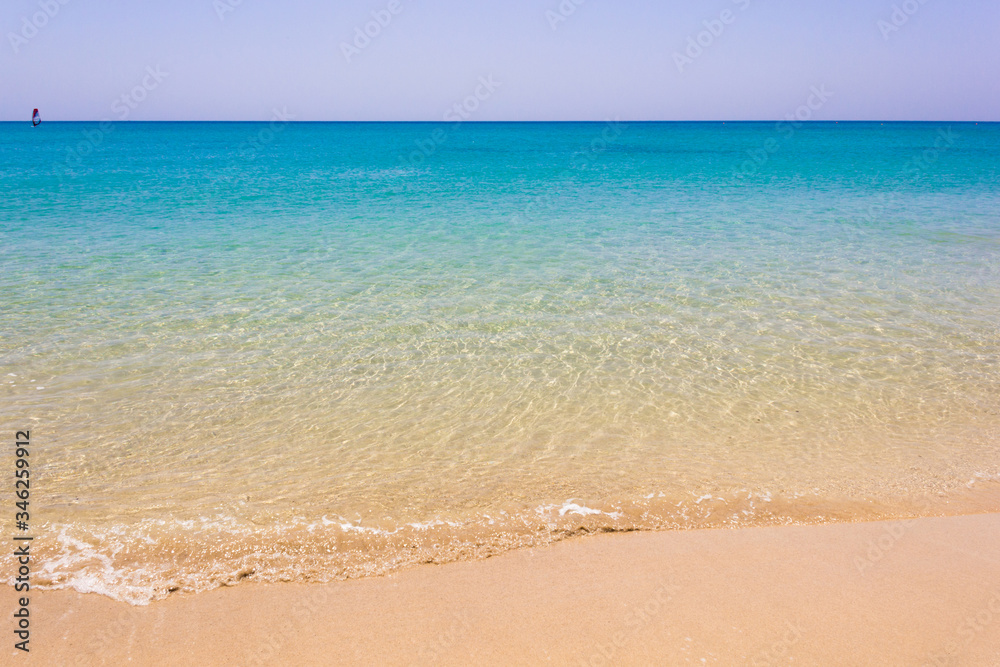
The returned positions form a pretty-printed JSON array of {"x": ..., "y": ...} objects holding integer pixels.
[{"x": 497, "y": 122}]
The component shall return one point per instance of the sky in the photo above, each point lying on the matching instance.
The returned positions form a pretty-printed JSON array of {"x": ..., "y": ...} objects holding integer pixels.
[{"x": 500, "y": 59}]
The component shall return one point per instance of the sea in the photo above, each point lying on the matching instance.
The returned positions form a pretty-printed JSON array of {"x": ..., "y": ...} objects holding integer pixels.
[{"x": 286, "y": 351}]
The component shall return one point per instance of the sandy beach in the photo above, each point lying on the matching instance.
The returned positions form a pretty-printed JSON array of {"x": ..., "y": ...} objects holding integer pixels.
[
  {"x": 562, "y": 333},
  {"x": 919, "y": 592}
]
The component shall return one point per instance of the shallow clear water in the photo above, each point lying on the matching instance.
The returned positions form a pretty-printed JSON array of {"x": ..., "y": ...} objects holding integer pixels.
[{"x": 310, "y": 351}]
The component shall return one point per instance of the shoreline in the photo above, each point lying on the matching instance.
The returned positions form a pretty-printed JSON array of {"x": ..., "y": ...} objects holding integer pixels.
[
  {"x": 153, "y": 559},
  {"x": 917, "y": 591}
]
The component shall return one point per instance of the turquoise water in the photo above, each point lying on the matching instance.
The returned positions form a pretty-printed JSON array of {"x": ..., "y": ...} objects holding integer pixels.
[{"x": 310, "y": 351}]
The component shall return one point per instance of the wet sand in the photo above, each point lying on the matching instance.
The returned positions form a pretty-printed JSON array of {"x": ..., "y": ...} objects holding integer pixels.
[{"x": 920, "y": 592}]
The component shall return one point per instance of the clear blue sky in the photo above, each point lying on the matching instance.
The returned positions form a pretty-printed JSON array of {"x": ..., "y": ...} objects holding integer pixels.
[{"x": 608, "y": 58}]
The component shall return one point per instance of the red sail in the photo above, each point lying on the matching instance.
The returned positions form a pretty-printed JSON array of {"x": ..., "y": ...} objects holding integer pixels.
[{"x": 35, "y": 119}]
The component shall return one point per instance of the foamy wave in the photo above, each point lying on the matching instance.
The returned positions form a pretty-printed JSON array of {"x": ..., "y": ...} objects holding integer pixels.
[
  {"x": 83, "y": 567},
  {"x": 148, "y": 560},
  {"x": 570, "y": 507}
]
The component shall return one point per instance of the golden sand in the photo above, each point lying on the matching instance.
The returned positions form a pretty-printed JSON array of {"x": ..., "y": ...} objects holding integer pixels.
[{"x": 918, "y": 592}]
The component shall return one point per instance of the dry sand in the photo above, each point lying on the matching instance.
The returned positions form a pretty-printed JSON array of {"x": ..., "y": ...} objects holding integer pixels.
[{"x": 894, "y": 593}]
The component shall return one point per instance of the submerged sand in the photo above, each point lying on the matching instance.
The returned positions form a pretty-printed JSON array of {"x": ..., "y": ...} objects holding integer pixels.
[{"x": 918, "y": 592}]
